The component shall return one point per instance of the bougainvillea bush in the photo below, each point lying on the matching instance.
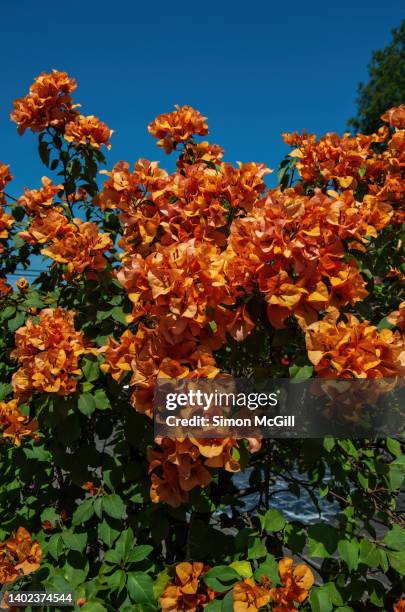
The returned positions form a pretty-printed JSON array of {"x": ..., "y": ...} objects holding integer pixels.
[{"x": 195, "y": 273}]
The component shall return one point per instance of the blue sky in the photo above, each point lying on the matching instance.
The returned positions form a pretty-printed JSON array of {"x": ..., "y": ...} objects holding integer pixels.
[{"x": 254, "y": 68}]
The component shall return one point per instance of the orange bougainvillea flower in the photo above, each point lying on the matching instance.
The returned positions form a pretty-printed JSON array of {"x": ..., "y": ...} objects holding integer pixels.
[
  {"x": 397, "y": 317},
  {"x": 5, "y": 288},
  {"x": 249, "y": 596},
  {"x": 81, "y": 248},
  {"x": 22, "y": 285},
  {"x": 177, "y": 127},
  {"x": 37, "y": 201},
  {"x": 399, "y": 606},
  {"x": 48, "y": 352},
  {"x": 48, "y": 103},
  {"x": 187, "y": 592},
  {"x": 48, "y": 226},
  {"x": 5, "y": 176},
  {"x": 181, "y": 470},
  {"x": 296, "y": 580},
  {"x": 6, "y": 221},
  {"x": 395, "y": 117},
  {"x": 19, "y": 556},
  {"x": 88, "y": 131},
  {"x": 351, "y": 348},
  {"x": 15, "y": 425}
]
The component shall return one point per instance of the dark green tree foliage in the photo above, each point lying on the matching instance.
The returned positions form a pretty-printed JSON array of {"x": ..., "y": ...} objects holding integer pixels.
[{"x": 385, "y": 87}]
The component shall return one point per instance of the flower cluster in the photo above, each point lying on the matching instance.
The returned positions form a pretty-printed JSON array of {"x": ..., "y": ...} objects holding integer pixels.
[
  {"x": 76, "y": 244},
  {"x": 5, "y": 288},
  {"x": 81, "y": 248},
  {"x": 248, "y": 595},
  {"x": 351, "y": 162},
  {"x": 296, "y": 582},
  {"x": 88, "y": 131},
  {"x": 292, "y": 247},
  {"x": 19, "y": 556},
  {"x": 6, "y": 220},
  {"x": 49, "y": 352},
  {"x": 49, "y": 104},
  {"x": 15, "y": 425},
  {"x": 187, "y": 592},
  {"x": 198, "y": 243},
  {"x": 353, "y": 349},
  {"x": 178, "y": 127},
  {"x": 182, "y": 465},
  {"x": 5, "y": 176}
]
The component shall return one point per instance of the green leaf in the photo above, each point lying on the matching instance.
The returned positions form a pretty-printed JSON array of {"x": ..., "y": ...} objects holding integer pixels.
[
  {"x": 55, "y": 546},
  {"x": 125, "y": 543},
  {"x": 93, "y": 606},
  {"x": 119, "y": 315},
  {"x": 320, "y": 600},
  {"x": 257, "y": 550},
  {"x": 397, "y": 561},
  {"x": 16, "y": 322},
  {"x": 369, "y": 553},
  {"x": 396, "y": 473},
  {"x": 395, "y": 538},
  {"x": 90, "y": 369},
  {"x": 269, "y": 569},
  {"x": 214, "y": 606},
  {"x": 243, "y": 568},
  {"x": 221, "y": 578},
  {"x": 139, "y": 553},
  {"x": 101, "y": 399},
  {"x": 74, "y": 541},
  {"x": 106, "y": 533},
  {"x": 227, "y": 602},
  {"x": 86, "y": 404},
  {"x": 349, "y": 551},
  {"x": 113, "y": 505},
  {"x": 83, "y": 512},
  {"x": 140, "y": 587},
  {"x": 394, "y": 447},
  {"x": 160, "y": 583},
  {"x": 301, "y": 372},
  {"x": 323, "y": 540},
  {"x": 273, "y": 520}
]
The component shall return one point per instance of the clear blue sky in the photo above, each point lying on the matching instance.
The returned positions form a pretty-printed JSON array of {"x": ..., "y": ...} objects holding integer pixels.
[{"x": 254, "y": 68}]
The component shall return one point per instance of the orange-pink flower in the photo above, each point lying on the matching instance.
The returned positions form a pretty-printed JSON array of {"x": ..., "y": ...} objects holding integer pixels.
[
  {"x": 177, "y": 127},
  {"x": 48, "y": 103},
  {"x": 88, "y": 131},
  {"x": 19, "y": 556},
  {"x": 49, "y": 354}
]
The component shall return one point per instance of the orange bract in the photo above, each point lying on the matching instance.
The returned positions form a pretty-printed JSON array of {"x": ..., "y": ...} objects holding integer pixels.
[
  {"x": 187, "y": 592},
  {"x": 347, "y": 349},
  {"x": 19, "y": 556},
  {"x": 48, "y": 103},
  {"x": 15, "y": 424},
  {"x": 5, "y": 176},
  {"x": 249, "y": 596},
  {"x": 177, "y": 127},
  {"x": 5, "y": 288},
  {"x": 81, "y": 247},
  {"x": 88, "y": 131},
  {"x": 6, "y": 222},
  {"x": 399, "y": 606},
  {"x": 37, "y": 201},
  {"x": 49, "y": 352},
  {"x": 296, "y": 580}
]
